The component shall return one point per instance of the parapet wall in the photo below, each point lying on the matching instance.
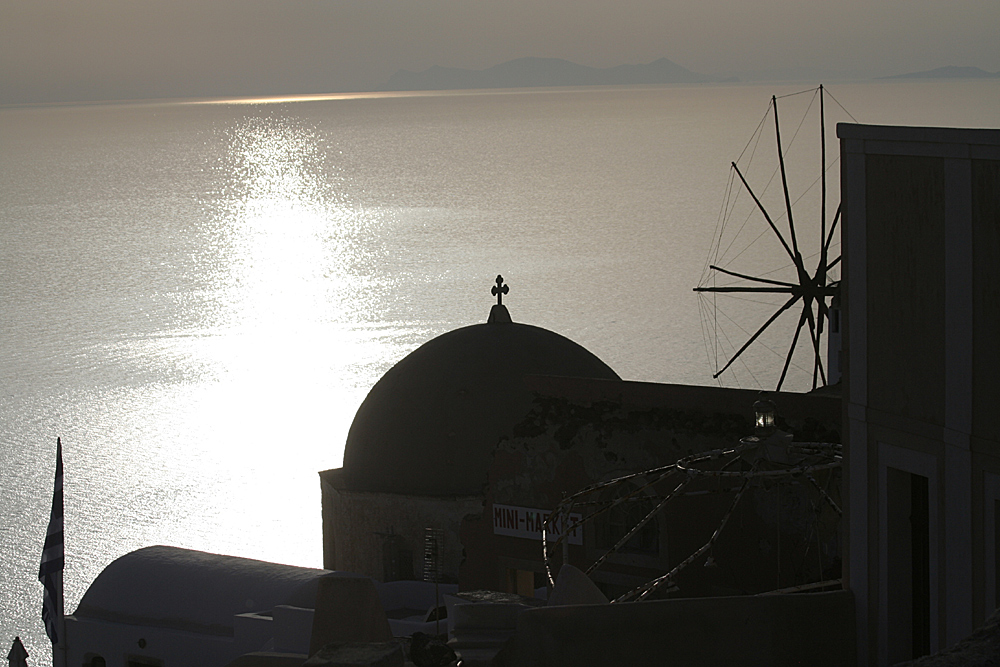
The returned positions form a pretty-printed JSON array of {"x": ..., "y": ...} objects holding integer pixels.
[{"x": 815, "y": 629}]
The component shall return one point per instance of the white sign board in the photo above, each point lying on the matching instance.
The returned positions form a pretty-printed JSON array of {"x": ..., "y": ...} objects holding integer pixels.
[{"x": 527, "y": 522}]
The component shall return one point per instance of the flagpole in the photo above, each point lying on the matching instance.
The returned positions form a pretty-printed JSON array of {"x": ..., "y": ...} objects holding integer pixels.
[{"x": 59, "y": 650}]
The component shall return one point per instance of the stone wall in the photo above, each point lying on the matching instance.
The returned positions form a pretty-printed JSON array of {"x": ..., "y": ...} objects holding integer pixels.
[{"x": 363, "y": 530}]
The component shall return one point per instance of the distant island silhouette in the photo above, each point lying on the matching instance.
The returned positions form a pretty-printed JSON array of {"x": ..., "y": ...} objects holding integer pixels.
[
  {"x": 949, "y": 72},
  {"x": 547, "y": 72}
]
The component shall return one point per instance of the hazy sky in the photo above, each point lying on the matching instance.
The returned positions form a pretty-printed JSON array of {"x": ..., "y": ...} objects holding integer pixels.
[{"x": 52, "y": 50}]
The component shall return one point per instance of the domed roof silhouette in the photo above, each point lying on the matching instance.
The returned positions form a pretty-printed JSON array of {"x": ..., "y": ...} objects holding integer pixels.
[{"x": 429, "y": 426}]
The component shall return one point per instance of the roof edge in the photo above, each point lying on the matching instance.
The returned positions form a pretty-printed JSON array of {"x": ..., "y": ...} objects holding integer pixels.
[{"x": 939, "y": 135}]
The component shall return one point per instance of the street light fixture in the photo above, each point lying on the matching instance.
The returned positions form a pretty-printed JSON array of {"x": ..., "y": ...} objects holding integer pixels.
[{"x": 763, "y": 410}]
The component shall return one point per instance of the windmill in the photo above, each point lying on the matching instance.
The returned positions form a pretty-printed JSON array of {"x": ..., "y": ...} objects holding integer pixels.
[{"x": 808, "y": 280}]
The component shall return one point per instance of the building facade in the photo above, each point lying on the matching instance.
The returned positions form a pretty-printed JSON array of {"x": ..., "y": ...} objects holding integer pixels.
[
  {"x": 921, "y": 234},
  {"x": 580, "y": 432}
]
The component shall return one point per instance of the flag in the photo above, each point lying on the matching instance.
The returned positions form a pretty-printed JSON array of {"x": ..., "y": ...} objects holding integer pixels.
[{"x": 50, "y": 572}]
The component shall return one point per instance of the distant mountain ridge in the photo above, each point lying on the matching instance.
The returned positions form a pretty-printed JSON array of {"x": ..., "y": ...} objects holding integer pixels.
[
  {"x": 547, "y": 72},
  {"x": 949, "y": 72}
]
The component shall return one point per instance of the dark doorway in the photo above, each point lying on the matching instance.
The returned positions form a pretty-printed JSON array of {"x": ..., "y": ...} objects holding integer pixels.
[
  {"x": 996, "y": 556},
  {"x": 397, "y": 560},
  {"x": 908, "y": 566}
]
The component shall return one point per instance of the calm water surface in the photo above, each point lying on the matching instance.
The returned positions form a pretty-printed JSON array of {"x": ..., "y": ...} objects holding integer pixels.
[{"x": 197, "y": 297}]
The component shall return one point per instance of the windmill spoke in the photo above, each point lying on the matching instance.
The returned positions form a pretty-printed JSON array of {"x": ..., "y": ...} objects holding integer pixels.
[
  {"x": 829, "y": 239},
  {"x": 759, "y": 280},
  {"x": 791, "y": 350},
  {"x": 764, "y": 211},
  {"x": 772, "y": 290},
  {"x": 817, "y": 365},
  {"x": 784, "y": 182},
  {"x": 788, "y": 304},
  {"x": 834, "y": 262},
  {"x": 815, "y": 341},
  {"x": 822, "y": 171}
]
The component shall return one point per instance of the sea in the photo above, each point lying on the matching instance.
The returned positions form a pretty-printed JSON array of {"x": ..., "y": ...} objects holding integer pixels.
[{"x": 197, "y": 295}]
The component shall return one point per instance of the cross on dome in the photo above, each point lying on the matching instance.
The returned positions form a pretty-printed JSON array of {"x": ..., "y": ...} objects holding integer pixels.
[
  {"x": 499, "y": 290},
  {"x": 498, "y": 313}
]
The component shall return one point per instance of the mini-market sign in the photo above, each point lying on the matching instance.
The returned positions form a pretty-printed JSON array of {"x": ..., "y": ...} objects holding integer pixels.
[{"x": 527, "y": 522}]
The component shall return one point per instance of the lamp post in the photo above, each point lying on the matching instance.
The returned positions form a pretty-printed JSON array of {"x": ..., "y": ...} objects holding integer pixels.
[{"x": 763, "y": 411}]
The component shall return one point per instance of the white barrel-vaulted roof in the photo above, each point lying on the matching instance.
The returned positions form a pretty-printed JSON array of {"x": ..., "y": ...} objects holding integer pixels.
[{"x": 177, "y": 588}]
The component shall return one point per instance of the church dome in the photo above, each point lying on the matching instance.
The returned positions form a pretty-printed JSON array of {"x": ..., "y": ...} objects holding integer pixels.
[{"x": 429, "y": 426}]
